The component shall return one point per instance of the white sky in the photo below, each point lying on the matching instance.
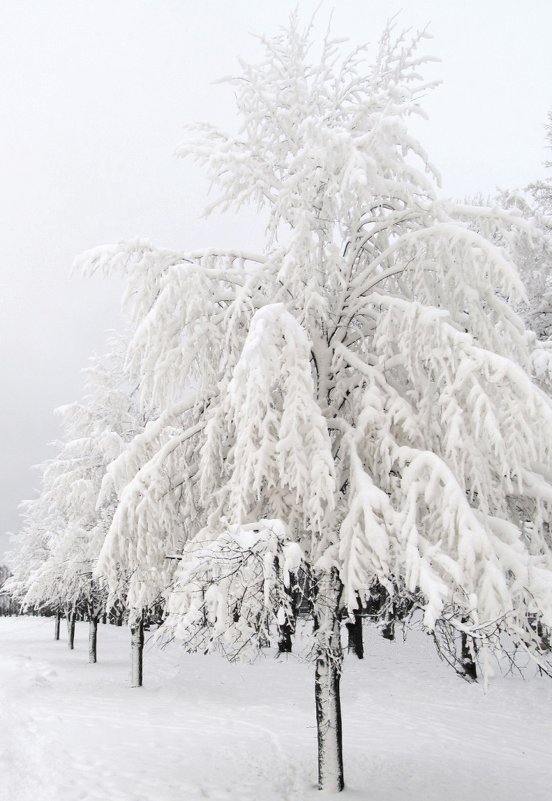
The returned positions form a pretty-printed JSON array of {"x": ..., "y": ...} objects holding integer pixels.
[{"x": 93, "y": 98}]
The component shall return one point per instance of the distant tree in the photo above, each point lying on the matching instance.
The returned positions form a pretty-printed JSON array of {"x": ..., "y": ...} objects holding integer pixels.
[
  {"x": 354, "y": 409},
  {"x": 8, "y": 605},
  {"x": 66, "y": 518}
]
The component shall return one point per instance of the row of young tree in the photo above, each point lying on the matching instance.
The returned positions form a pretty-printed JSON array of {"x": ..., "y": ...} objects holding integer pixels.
[
  {"x": 8, "y": 605},
  {"x": 353, "y": 424}
]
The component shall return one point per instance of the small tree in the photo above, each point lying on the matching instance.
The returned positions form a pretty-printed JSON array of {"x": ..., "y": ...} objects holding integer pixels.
[
  {"x": 65, "y": 526},
  {"x": 354, "y": 405}
]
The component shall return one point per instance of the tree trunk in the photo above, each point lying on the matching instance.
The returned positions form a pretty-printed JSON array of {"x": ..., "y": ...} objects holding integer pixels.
[
  {"x": 388, "y": 630},
  {"x": 468, "y": 664},
  {"x": 391, "y": 617},
  {"x": 137, "y": 645},
  {"x": 355, "y": 642},
  {"x": 104, "y": 618},
  {"x": 57, "y": 625},
  {"x": 285, "y": 629},
  {"x": 71, "y": 630},
  {"x": 92, "y": 640},
  {"x": 329, "y": 658},
  {"x": 284, "y": 639}
]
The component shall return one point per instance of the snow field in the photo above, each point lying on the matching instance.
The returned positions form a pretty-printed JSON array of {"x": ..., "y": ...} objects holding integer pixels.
[{"x": 202, "y": 728}]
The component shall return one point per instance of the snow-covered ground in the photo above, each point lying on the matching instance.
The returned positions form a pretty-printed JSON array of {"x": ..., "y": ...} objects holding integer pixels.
[{"x": 201, "y": 728}]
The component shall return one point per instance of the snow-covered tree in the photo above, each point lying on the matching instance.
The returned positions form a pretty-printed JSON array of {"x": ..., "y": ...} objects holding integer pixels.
[
  {"x": 64, "y": 527},
  {"x": 353, "y": 409},
  {"x": 532, "y": 254},
  {"x": 7, "y": 603},
  {"x": 540, "y": 279},
  {"x": 542, "y": 190},
  {"x": 527, "y": 241}
]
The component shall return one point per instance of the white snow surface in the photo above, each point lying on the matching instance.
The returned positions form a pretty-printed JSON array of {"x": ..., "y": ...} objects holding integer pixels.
[{"x": 202, "y": 728}]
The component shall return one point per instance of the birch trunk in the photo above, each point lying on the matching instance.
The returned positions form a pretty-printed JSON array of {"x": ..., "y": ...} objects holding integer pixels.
[
  {"x": 284, "y": 639},
  {"x": 355, "y": 641},
  {"x": 92, "y": 640},
  {"x": 468, "y": 664},
  {"x": 57, "y": 625},
  {"x": 285, "y": 630},
  {"x": 71, "y": 630},
  {"x": 137, "y": 646},
  {"x": 329, "y": 658}
]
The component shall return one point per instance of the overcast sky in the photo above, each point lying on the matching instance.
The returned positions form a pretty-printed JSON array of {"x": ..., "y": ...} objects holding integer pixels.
[{"x": 94, "y": 95}]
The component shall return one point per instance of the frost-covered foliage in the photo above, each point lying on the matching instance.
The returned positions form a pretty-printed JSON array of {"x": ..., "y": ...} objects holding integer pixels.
[{"x": 366, "y": 380}]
